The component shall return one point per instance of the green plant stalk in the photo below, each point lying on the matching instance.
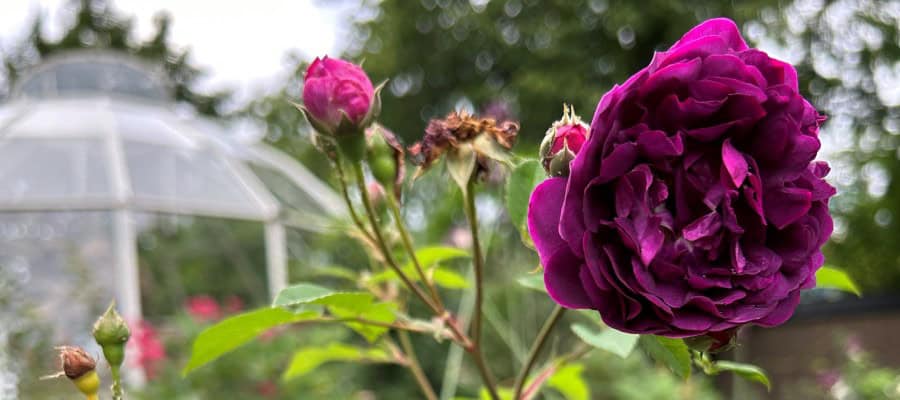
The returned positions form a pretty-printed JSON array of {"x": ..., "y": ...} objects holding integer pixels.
[
  {"x": 344, "y": 193},
  {"x": 116, "y": 388},
  {"x": 415, "y": 367},
  {"x": 536, "y": 348},
  {"x": 408, "y": 244},
  {"x": 379, "y": 239},
  {"x": 478, "y": 266}
]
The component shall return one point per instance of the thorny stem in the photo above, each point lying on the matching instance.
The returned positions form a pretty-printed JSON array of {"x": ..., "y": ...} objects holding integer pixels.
[
  {"x": 536, "y": 348},
  {"x": 478, "y": 264},
  {"x": 408, "y": 244},
  {"x": 415, "y": 367},
  {"x": 379, "y": 240}
]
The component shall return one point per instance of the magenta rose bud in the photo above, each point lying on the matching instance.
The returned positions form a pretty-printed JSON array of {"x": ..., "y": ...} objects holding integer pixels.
[
  {"x": 694, "y": 205},
  {"x": 562, "y": 142},
  {"x": 339, "y": 101}
]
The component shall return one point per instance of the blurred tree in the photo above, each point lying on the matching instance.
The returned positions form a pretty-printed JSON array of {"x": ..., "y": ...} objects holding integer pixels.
[
  {"x": 97, "y": 25},
  {"x": 528, "y": 56}
]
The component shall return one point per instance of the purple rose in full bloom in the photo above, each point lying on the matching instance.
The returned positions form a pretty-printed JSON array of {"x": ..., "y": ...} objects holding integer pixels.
[
  {"x": 695, "y": 205},
  {"x": 334, "y": 87}
]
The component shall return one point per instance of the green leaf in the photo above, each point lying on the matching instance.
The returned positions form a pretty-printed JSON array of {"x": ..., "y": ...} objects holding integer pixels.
[
  {"x": 569, "y": 381},
  {"x": 299, "y": 294},
  {"x": 307, "y": 293},
  {"x": 334, "y": 272},
  {"x": 235, "y": 331},
  {"x": 431, "y": 257},
  {"x": 671, "y": 352},
  {"x": 384, "y": 313},
  {"x": 746, "y": 371},
  {"x": 522, "y": 181},
  {"x": 609, "y": 339},
  {"x": 461, "y": 165},
  {"x": 504, "y": 393},
  {"x": 307, "y": 359},
  {"x": 449, "y": 279},
  {"x": 833, "y": 278},
  {"x": 533, "y": 281}
]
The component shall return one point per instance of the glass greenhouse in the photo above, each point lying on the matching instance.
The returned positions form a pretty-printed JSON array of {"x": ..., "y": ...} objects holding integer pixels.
[{"x": 93, "y": 152}]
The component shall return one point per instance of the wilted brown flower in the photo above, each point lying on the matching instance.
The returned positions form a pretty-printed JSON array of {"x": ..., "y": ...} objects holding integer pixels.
[
  {"x": 75, "y": 361},
  {"x": 460, "y": 127}
]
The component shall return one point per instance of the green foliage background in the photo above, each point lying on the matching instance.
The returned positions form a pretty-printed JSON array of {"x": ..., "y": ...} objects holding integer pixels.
[{"x": 530, "y": 56}]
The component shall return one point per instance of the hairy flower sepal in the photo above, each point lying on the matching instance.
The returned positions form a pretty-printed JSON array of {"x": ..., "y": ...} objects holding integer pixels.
[{"x": 111, "y": 333}]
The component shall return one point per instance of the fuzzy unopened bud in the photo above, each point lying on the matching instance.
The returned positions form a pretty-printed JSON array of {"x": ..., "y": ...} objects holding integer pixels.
[
  {"x": 562, "y": 142},
  {"x": 340, "y": 102},
  {"x": 111, "y": 333}
]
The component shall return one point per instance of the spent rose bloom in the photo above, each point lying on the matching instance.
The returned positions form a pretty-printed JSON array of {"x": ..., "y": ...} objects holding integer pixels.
[
  {"x": 333, "y": 88},
  {"x": 694, "y": 206}
]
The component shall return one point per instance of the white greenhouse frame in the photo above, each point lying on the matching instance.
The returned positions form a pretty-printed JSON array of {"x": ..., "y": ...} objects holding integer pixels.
[{"x": 99, "y": 110}]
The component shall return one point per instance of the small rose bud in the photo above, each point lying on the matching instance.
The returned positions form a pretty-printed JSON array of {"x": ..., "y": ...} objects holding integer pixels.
[
  {"x": 339, "y": 101},
  {"x": 713, "y": 342},
  {"x": 376, "y": 195},
  {"x": 80, "y": 368},
  {"x": 562, "y": 142},
  {"x": 111, "y": 333},
  {"x": 385, "y": 157}
]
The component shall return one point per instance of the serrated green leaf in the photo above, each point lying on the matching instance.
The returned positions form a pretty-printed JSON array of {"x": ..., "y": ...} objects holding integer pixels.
[
  {"x": 385, "y": 313},
  {"x": 334, "y": 272},
  {"x": 449, "y": 279},
  {"x": 522, "y": 181},
  {"x": 568, "y": 381},
  {"x": 307, "y": 359},
  {"x": 747, "y": 371},
  {"x": 609, "y": 339},
  {"x": 833, "y": 278},
  {"x": 299, "y": 294},
  {"x": 235, "y": 331},
  {"x": 674, "y": 353},
  {"x": 533, "y": 281},
  {"x": 431, "y": 258},
  {"x": 432, "y": 255}
]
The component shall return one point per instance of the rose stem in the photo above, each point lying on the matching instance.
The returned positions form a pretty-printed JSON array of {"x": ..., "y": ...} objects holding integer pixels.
[
  {"x": 382, "y": 246},
  {"x": 350, "y": 208},
  {"x": 414, "y": 366},
  {"x": 477, "y": 262},
  {"x": 407, "y": 243},
  {"x": 536, "y": 348}
]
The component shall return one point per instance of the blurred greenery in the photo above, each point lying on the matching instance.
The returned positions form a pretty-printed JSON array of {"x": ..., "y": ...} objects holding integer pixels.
[{"x": 518, "y": 59}]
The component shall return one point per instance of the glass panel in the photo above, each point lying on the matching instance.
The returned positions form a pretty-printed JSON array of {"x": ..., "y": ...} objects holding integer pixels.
[
  {"x": 143, "y": 126},
  {"x": 56, "y": 275},
  {"x": 34, "y": 169},
  {"x": 291, "y": 196},
  {"x": 192, "y": 181},
  {"x": 78, "y": 76},
  {"x": 178, "y": 256}
]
